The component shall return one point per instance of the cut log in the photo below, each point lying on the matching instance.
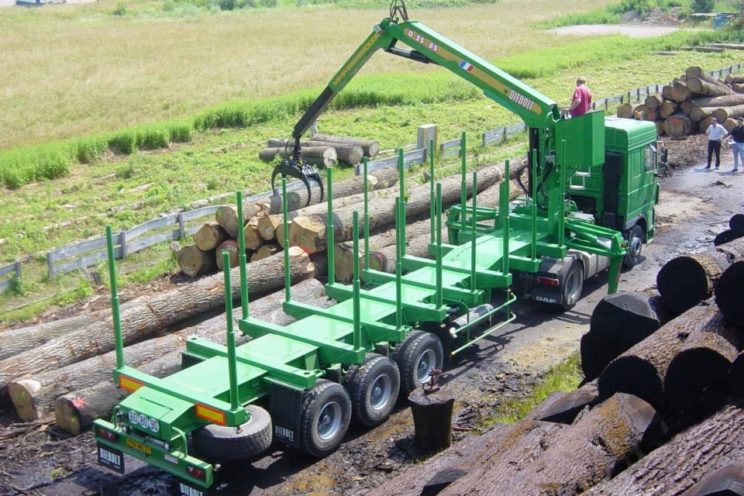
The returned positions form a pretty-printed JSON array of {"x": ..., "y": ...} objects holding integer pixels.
[
  {"x": 660, "y": 128},
  {"x": 680, "y": 92},
  {"x": 265, "y": 251},
  {"x": 730, "y": 293},
  {"x": 209, "y": 236},
  {"x": 666, "y": 92},
  {"x": 653, "y": 101},
  {"x": 726, "y": 236},
  {"x": 668, "y": 108},
  {"x": 309, "y": 232},
  {"x": 696, "y": 382},
  {"x": 571, "y": 460},
  {"x": 732, "y": 79},
  {"x": 322, "y": 156},
  {"x": 194, "y": 262},
  {"x": 231, "y": 247},
  {"x": 678, "y": 125},
  {"x": 346, "y": 152},
  {"x": 736, "y": 376},
  {"x": 564, "y": 407},
  {"x": 700, "y": 86},
  {"x": 251, "y": 235},
  {"x": 718, "y": 101},
  {"x": 16, "y": 341},
  {"x": 625, "y": 110},
  {"x": 370, "y": 147},
  {"x": 686, "y": 106},
  {"x": 378, "y": 179},
  {"x": 736, "y": 223},
  {"x": 698, "y": 114},
  {"x": 702, "y": 126},
  {"x": 618, "y": 322},
  {"x": 642, "y": 369},
  {"x": 728, "y": 480},
  {"x": 733, "y": 112},
  {"x": 687, "y": 280},
  {"x": 738, "y": 88},
  {"x": 76, "y": 409},
  {"x": 267, "y": 226},
  {"x": 432, "y": 419},
  {"x": 729, "y": 125},
  {"x": 227, "y": 216},
  {"x": 147, "y": 315},
  {"x": 684, "y": 460}
]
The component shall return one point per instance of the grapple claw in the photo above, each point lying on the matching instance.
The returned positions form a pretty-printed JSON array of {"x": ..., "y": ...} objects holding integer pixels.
[{"x": 303, "y": 172}]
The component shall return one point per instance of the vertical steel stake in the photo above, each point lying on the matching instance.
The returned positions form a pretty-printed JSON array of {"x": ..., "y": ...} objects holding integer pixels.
[
  {"x": 366, "y": 216},
  {"x": 330, "y": 232},
  {"x": 439, "y": 296},
  {"x": 533, "y": 248},
  {"x": 357, "y": 330},
  {"x": 398, "y": 268},
  {"x": 473, "y": 237},
  {"x": 231, "y": 361},
  {"x": 463, "y": 180},
  {"x": 401, "y": 228},
  {"x": 241, "y": 258},
  {"x": 114, "y": 299},
  {"x": 562, "y": 206},
  {"x": 504, "y": 208},
  {"x": 285, "y": 219},
  {"x": 432, "y": 205}
]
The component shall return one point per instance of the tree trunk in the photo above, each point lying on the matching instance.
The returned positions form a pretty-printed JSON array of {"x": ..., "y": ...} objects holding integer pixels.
[
  {"x": 16, "y": 341},
  {"x": 718, "y": 101},
  {"x": 564, "y": 407},
  {"x": 729, "y": 293},
  {"x": 736, "y": 223},
  {"x": 702, "y": 126},
  {"x": 666, "y": 92},
  {"x": 678, "y": 125},
  {"x": 309, "y": 232},
  {"x": 733, "y": 112},
  {"x": 432, "y": 419},
  {"x": 231, "y": 246},
  {"x": 686, "y": 106},
  {"x": 346, "y": 152},
  {"x": 660, "y": 128},
  {"x": 227, "y": 216},
  {"x": 625, "y": 111},
  {"x": 145, "y": 316},
  {"x": 370, "y": 147},
  {"x": 698, "y": 114},
  {"x": 641, "y": 370},
  {"x": 668, "y": 108},
  {"x": 267, "y": 226},
  {"x": 572, "y": 459},
  {"x": 265, "y": 251},
  {"x": 732, "y": 79},
  {"x": 379, "y": 179},
  {"x": 618, "y": 322},
  {"x": 76, "y": 410},
  {"x": 680, "y": 92},
  {"x": 251, "y": 235},
  {"x": 654, "y": 101},
  {"x": 687, "y": 280},
  {"x": 194, "y": 262},
  {"x": 702, "y": 87},
  {"x": 687, "y": 458},
  {"x": 726, "y": 236},
  {"x": 736, "y": 376},
  {"x": 321, "y": 156},
  {"x": 209, "y": 236},
  {"x": 725, "y": 480}
]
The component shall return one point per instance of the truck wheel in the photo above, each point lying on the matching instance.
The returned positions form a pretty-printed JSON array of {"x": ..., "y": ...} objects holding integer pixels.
[
  {"x": 635, "y": 245},
  {"x": 416, "y": 356},
  {"x": 229, "y": 443},
  {"x": 373, "y": 387},
  {"x": 326, "y": 414},
  {"x": 572, "y": 286}
]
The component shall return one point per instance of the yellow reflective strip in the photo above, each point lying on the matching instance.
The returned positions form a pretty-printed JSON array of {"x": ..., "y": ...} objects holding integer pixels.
[
  {"x": 129, "y": 384},
  {"x": 210, "y": 414}
]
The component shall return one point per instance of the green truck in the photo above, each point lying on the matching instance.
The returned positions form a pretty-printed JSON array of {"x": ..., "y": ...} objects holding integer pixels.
[{"x": 588, "y": 205}]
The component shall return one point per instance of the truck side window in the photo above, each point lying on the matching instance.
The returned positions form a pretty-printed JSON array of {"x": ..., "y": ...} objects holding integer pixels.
[{"x": 650, "y": 158}]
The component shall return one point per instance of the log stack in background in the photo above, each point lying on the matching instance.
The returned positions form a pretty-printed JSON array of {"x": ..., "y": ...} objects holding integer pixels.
[
  {"x": 323, "y": 150},
  {"x": 687, "y": 105}
]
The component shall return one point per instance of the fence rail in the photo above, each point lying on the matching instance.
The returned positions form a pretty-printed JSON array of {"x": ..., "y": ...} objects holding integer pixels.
[{"x": 175, "y": 226}]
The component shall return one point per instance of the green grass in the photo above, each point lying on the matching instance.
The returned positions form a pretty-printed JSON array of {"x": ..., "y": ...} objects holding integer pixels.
[{"x": 566, "y": 376}]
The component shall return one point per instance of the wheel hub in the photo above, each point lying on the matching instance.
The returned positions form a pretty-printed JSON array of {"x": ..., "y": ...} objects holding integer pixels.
[
  {"x": 329, "y": 420},
  {"x": 380, "y": 392},
  {"x": 425, "y": 363}
]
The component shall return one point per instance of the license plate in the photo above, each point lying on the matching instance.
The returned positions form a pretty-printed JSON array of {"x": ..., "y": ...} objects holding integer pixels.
[
  {"x": 139, "y": 446},
  {"x": 111, "y": 458},
  {"x": 185, "y": 489}
]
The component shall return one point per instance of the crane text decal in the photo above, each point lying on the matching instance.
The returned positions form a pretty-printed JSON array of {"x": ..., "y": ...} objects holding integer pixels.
[
  {"x": 520, "y": 100},
  {"x": 422, "y": 40}
]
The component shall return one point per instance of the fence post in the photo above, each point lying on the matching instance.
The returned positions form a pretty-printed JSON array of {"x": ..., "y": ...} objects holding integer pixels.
[
  {"x": 50, "y": 265},
  {"x": 18, "y": 270},
  {"x": 425, "y": 134},
  {"x": 123, "y": 243},
  {"x": 181, "y": 226}
]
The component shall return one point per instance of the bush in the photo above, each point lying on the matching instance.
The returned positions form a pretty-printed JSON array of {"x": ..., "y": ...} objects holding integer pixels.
[
  {"x": 152, "y": 138},
  {"x": 124, "y": 143},
  {"x": 88, "y": 150},
  {"x": 180, "y": 133},
  {"x": 120, "y": 10},
  {"x": 703, "y": 6}
]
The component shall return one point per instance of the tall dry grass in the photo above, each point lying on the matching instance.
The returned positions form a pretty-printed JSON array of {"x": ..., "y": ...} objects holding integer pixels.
[{"x": 69, "y": 72}]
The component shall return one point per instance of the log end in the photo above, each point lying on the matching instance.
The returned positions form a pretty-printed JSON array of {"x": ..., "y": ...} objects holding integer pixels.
[
  {"x": 66, "y": 415},
  {"x": 682, "y": 284},
  {"x": 729, "y": 291},
  {"x": 632, "y": 375},
  {"x": 22, "y": 393}
]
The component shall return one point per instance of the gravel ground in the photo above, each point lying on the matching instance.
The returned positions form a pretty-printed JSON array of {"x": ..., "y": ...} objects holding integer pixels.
[{"x": 695, "y": 205}]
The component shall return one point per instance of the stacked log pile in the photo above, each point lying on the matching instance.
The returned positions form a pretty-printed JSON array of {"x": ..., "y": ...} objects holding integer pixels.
[
  {"x": 688, "y": 104},
  {"x": 663, "y": 414},
  {"x": 323, "y": 150}
]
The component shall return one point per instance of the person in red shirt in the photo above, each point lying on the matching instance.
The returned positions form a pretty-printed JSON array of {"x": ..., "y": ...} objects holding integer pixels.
[{"x": 582, "y": 99}]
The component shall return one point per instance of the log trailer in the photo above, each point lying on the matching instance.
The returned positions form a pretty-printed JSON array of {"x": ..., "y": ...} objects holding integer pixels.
[{"x": 591, "y": 192}]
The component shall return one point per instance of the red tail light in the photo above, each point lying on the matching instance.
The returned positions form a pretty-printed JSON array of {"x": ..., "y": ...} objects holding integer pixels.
[
  {"x": 196, "y": 472},
  {"x": 108, "y": 435},
  {"x": 548, "y": 281}
]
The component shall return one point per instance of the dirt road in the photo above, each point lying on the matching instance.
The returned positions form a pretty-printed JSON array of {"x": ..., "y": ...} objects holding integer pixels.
[{"x": 695, "y": 205}]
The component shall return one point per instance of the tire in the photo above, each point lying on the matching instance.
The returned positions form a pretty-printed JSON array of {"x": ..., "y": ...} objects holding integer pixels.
[
  {"x": 416, "y": 356},
  {"x": 572, "y": 286},
  {"x": 373, "y": 388},
  {"x": 635, "y": 246},
  {"x": 326, "y": 414},
  {"x": 228, "y": 443}
]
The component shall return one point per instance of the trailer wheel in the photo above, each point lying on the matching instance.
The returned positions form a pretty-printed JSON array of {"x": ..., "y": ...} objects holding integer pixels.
[
  {"x": 326, "y": 414},
  {"x": 572, "y": 286},
  {"x": 635, "y": 246},
  {"x": 416, "y": 356},
  {"x": 229, "y": 443},
  {"x": 374, "y": 388}
]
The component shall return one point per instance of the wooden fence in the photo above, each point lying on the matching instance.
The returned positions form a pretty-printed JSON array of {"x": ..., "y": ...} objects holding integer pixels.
[{"x": 179, "y": 225}]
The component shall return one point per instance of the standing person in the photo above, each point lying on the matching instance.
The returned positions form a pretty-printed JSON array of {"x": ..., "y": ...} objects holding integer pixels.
[
  {"x": 737, "y": 145},
  {"x": 582, "y": 99},
  {"x": 716, "y": 133}
]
